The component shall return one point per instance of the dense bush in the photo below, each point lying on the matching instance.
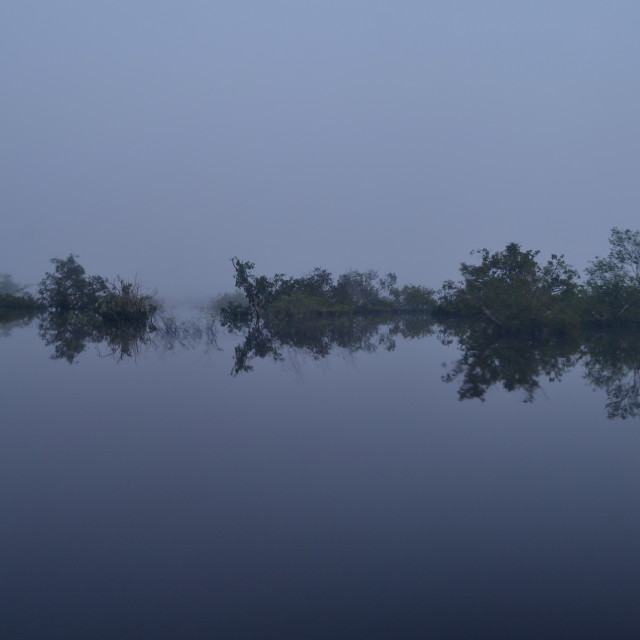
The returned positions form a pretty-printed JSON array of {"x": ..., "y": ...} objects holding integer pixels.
[
  {"x": 318, "y": 294},
  {"x": 125, "y": 302},
  {"x": 512, "y": 290},
  {"x": 68, "y": 289},
  {"x": 83, "y": 309},
  {"x": 612, "y": 290}
]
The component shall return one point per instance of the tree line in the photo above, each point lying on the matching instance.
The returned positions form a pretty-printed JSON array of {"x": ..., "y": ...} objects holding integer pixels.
[
  {"x": 515, "y": 319},
  {"x": 508, "y": 291}
]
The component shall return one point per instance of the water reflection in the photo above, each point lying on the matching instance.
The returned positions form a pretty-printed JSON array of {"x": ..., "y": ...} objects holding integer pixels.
[
  {"x": 319, "y": 337},
  {"x": 11, "y": 319},
  {"x": 612, "y": 363},
  {"x": 515, "y": 362},
  {"x": 70, "y": 334},
  {"x": 198, "y": 332},
  {"x": 488, "y": 357}
]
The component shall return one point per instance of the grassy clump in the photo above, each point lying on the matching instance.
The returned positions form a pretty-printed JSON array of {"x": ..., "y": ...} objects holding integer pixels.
[{"x": 124, "y": 302}]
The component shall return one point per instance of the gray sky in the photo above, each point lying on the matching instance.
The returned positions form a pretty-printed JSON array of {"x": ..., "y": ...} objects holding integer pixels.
[{"x": 162, "y": 138}]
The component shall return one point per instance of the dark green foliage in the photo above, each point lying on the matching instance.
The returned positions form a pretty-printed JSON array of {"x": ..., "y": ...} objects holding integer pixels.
[
  {"x": 83, "y": 309},
  {"x": 318, "y": 283},
  {"x": 317, "y": 294},
  {"x": 363, "y": 290},
  {"x": 125, "y": 302},
  {"x": 624, "y": 252},
  {"x": 303, "y": 305},
  {"x": 509, "y": 289},
  {"x": 69, "y": 289},
  {"x": 414, "y": 298},
  {"x": 612, "y": 290},
  {"x": 260, "y": 291}
]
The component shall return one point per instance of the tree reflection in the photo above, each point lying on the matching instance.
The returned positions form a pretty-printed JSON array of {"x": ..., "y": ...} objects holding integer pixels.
[
  {"x": 516, "y": 362},
  {"x": 171, "y": 333},
  {"x": 11, "y": 319},
  {"x": 612, "y": 363},
  {"x": 257, "y": 342},
  {"x": 71, "y": 333},
  {"x": 319, "y": 337},
  {"x": 489, "y": 356}
]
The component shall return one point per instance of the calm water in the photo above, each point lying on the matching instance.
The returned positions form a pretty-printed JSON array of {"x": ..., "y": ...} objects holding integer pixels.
[{"x": 353, "y": 496}]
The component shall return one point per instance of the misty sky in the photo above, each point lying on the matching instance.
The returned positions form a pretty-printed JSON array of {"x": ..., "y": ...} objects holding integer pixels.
[{"x": 162, "y": 138}]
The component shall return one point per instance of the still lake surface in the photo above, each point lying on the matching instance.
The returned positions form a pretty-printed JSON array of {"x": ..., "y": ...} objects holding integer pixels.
[{"x": 353, "y": 496}]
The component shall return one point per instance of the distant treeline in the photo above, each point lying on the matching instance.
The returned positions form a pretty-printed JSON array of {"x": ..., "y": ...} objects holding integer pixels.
[
  {"x": 319, "y": 294},
  {"x": 510, "y": 291},
  {"x": 514, "y": 319}
]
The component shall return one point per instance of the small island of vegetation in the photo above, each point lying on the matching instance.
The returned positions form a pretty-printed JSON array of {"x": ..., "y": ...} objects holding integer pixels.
[
  {"x": 511, "y": 291},
  {"x": 502, "y": 297}
]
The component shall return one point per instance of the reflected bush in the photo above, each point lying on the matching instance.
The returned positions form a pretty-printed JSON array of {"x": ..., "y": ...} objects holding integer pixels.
[
  {"x": 516, "y": 363},
  {"x": 71, "y": 333},
  {"x": 320, "y": 336},
  {"x": 612, "y": 363}
]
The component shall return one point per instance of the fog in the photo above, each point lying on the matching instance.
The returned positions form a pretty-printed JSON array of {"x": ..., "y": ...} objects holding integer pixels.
[{"x": 159, "y": 139}]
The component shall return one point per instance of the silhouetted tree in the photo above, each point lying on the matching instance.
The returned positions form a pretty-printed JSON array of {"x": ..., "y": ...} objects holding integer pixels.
[
  {"x": 512, "y": 291},
  {"x": 612, "y": 288}
]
